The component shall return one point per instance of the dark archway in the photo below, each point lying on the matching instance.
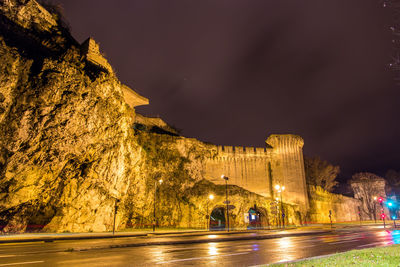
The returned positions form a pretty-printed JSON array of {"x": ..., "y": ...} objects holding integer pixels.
[
  {"x": 217, "y": 219},
  {"x": 258, "y": 218}
]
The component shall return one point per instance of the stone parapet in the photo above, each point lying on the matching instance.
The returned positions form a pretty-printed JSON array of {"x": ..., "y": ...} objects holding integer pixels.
[
  {"x": 154, "y": 122},
  {"x": 132, "y": 98},
  {"x": 235, "y": 151},
  {"x": 90, "y": 49}
]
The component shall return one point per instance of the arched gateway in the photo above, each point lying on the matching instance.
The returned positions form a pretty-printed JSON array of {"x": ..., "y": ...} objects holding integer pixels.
[
  {"x": 218, "y": 219},
  {"x": 257, "y": 218}
]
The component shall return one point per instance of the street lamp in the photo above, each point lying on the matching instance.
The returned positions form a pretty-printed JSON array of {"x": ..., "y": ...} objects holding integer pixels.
[
  {"x": 154, "y": 208},
  {"x": 227, "y": 203},
  {"x": 375, "y": 198},
  {"x": 280, "y": 189},
  {"x": 210, "y": 197},
  {"x": 115, "y": 212},
  {"x": 380, "y": 199}
]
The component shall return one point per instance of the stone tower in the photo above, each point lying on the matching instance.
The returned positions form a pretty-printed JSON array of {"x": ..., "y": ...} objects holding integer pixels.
[{"x": 287, "y": 166}]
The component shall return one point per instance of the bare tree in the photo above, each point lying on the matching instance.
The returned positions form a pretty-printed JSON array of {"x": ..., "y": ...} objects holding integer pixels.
[
  {"x": 321, "y": 173},
  {"x": 366, "y": 187}
]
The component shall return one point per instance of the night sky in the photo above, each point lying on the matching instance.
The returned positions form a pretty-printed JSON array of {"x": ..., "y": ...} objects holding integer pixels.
[{"x": 233, "y": 72}]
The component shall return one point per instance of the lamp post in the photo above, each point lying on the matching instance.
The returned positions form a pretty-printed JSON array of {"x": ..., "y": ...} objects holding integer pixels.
[
  {"x": 226, "y": 201},
  {"x": 280, "y": 189},
  {"x": 375, "y": 209},
  {"x": 115, "y": 213},
  {"x": 380, "y": 199},
  {"x": 210, "y": 197},
  {"x": 278, "y": 212},
  {"x": 154, "y": 208}
]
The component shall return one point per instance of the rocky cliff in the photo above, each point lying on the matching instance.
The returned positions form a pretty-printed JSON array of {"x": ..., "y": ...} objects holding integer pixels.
[
  {"x": 68, "y": 147},
  {"x": 65, "y": 150}
]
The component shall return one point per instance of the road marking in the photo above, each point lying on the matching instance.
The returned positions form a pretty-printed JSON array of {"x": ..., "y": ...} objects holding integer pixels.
[
  {"x": 371, "y": 244},
  {"x": 345, "y": 241},
  {"x": 7, "y": 256},
  {"x": 200, "y": 258},
  {"x": 21, "y": 263}
]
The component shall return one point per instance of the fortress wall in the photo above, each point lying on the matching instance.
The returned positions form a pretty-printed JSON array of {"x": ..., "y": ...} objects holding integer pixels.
[
  {"x": 288, "y": 168},
  {"x": 259, "y": 169},
  {"x": 344, "y": 209},
  {"x": 246, "y": 167}
]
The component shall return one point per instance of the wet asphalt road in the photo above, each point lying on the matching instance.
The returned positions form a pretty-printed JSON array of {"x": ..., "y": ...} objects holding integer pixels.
[{"x": 227, "y": 253}]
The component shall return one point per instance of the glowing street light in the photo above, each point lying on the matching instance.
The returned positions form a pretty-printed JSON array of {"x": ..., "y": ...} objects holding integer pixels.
[
  {"x": 210, "y": 198},
  {"x": 155, "y": 198},
  {"x": 280, "y": 189},
  {"x": 227, "y": 202}
]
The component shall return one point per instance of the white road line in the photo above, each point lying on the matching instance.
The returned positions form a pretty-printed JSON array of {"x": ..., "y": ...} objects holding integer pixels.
[
  {"x": 370, "y": 244},
  {"x": 200, "y": 258},
  {"x": 339, "y": 242},
  {"x": 20, "y": 263},
  {"x": 7, "y": 256}
]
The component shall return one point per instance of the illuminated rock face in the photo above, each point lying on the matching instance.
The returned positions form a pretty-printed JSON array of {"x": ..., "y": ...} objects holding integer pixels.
[
  {"x": 69, "y": 148},
  {"x": 65, "y": 151}
]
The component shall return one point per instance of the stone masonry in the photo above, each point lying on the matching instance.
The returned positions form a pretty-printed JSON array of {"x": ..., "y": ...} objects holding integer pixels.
[{"x": 260, "y": 169}]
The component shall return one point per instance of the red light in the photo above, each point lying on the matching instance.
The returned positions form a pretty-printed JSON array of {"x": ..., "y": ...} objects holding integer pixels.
[
  {"x": 380, "y": 199},
  {"x": 383, "y": 216}
]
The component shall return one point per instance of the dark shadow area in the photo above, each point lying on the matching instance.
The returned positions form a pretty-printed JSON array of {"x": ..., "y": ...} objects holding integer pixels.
[{"x": 217, "y": 219}]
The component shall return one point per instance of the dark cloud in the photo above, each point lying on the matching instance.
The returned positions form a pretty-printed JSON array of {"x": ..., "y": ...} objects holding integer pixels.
[{"x": 233, "y": 72}]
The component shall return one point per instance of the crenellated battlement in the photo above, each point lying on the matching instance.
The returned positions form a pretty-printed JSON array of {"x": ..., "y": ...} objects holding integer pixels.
[{"x": 241, "y": 150}]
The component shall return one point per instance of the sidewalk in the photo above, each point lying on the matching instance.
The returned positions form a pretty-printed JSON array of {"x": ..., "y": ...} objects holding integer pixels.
[{"x": 185, "y": 236}]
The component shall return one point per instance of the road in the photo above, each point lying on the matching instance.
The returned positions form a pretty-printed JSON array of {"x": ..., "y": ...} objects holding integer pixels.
[{"x": 226, "y": 253}]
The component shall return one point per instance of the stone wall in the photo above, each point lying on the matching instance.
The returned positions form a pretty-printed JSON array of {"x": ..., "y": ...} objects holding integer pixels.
[
  {"x": 344, "y": 209},
  {"x": 91, "y": 50},
  {"x": 182, "y": 198},
  {"x": 288, "y": 167},
  {"x": 247, "y": 167},
  {"x": 154, "y": 122},
  {"x": 259, "y": 169}
]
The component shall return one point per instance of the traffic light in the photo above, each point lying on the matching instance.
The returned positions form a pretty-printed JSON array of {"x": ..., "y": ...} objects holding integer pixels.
[
  {"x": 383, "y": 216},
  {"x": 390, "y": 204},
  {"x": 380, "y": 199}
]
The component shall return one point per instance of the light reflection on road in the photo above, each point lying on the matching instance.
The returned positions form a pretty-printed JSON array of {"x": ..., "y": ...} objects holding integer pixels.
[
  {"x": 283, "y": 249},
  {"x": 157, "y": 254},
  {"x": 396, "y": 236},
  {"x": 285, "y": 245},
  {"x": 212, "y": 249},
  {"x": 212, "y": 253}
]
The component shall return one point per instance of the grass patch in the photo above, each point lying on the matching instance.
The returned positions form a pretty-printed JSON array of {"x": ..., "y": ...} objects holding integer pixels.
[{"x": 384, "y": 256}]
